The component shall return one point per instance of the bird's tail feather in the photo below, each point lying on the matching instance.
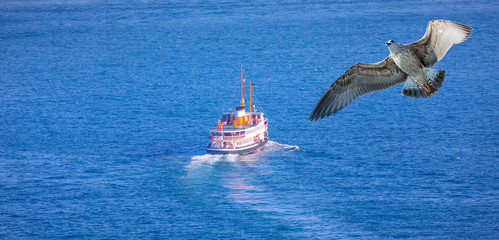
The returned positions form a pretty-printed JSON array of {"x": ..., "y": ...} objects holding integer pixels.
[{"x": 435, "y": 78}]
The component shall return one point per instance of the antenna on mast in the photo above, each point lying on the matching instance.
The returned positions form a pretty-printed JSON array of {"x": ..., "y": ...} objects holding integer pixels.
[
  {"x": 242, "y": 99},
  {"x": 250, "y": 97}
]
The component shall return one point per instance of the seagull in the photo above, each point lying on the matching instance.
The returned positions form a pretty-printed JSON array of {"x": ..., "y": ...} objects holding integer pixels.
[{"x": 407, "y": 63}]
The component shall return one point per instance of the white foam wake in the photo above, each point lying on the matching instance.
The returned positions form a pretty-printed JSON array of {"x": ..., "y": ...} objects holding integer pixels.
[
  {"x": 281, "y": 146},
  {"x": 211, "y": 159}
]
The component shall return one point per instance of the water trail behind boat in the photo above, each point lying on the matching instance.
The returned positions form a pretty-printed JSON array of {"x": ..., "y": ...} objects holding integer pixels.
[
  {"x": 275, "y": 146},
  {"x": 211, "y": 159},
  {"x": 271, "y": 147}
]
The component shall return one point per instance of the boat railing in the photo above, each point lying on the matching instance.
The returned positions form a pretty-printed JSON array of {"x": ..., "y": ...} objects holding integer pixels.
[{"x": 220, "y": 138}]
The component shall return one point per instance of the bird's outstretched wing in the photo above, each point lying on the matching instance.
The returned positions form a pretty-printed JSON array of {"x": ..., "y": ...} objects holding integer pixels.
[
  {"x": 439, "y": 37},
  {"x": 360, "y": 79}
]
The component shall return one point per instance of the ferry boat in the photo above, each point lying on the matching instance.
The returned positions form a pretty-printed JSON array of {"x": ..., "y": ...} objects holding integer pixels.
[{"x": 240, "y": 132}]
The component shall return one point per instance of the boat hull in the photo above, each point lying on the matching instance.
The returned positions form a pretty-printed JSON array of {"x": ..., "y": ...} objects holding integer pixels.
[{"x": 243, "y": 150}]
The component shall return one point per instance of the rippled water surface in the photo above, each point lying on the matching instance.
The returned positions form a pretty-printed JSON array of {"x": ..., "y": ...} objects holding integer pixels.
[{"x": 105, "y": 108}]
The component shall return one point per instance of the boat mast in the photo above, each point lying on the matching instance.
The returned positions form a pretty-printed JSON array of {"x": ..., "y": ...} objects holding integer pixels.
[
  {"x": 250, "y": 98},
  {"x": 242, "y": 100}
]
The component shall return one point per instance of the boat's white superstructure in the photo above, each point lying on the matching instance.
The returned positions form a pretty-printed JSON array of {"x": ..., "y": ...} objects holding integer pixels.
[{"x": 239, "y": 131}]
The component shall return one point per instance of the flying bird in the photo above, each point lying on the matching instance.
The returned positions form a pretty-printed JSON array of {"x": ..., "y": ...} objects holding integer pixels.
[{"x": 407, "y": 63}]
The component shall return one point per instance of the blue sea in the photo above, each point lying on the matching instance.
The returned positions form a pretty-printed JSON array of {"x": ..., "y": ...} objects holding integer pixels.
[{"x": 105, "y": 108}]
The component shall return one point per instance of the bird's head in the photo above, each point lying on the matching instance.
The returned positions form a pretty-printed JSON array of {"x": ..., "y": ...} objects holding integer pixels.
[
  {"x": 389, "y": 43},
  {"x": 392, "y": 45}
]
